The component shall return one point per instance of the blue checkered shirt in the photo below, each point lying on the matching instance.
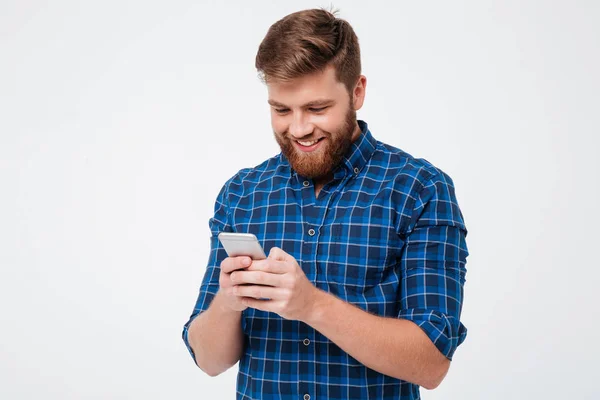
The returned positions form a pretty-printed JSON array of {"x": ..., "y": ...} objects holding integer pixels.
[{"x": 386, "y": 234}]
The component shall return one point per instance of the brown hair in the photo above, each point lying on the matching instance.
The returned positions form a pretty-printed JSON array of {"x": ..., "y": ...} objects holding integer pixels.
[{"x": 306, "y": 42}]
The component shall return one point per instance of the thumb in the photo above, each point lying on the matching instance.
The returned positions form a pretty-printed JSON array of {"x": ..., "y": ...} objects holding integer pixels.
[{"x": 277, "y": 254}]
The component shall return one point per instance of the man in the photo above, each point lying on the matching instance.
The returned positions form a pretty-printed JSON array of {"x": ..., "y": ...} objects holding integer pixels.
[{"x": 361, "y": 294}]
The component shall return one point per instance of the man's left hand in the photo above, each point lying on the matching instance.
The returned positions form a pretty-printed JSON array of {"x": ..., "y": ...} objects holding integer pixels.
[{"x": 276, "y": 284}]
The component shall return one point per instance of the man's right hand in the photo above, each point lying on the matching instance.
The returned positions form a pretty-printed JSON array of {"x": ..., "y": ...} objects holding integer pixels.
[{"x": 229, "y": 265}]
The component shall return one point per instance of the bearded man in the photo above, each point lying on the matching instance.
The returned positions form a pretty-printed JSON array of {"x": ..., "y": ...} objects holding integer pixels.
[{"x": 361, "y": 293}]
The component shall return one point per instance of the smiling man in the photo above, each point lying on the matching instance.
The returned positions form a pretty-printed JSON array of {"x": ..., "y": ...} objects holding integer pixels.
[
  {"x": 361, "y": 294},
  {"x": 314, "y": 121}
]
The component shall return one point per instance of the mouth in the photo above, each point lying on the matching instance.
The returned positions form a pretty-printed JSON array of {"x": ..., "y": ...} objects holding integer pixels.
[{"x": 308, "y": 145}]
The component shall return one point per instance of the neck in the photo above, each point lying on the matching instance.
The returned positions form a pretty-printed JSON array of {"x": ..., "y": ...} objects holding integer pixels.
[
  {"x": 320, "y": 182},
  {"x": 357, "y": 132}
]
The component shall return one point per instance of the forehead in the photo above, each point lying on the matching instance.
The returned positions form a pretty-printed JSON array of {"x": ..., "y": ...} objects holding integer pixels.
[{"x": 322, "y": 84}]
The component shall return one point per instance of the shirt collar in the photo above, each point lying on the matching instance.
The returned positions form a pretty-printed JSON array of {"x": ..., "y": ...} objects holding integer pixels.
[{"x": 360, "y": 151}]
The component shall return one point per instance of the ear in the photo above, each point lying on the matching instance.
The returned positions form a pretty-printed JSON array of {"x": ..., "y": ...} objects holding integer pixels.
[{"x": 358, "y": 94}]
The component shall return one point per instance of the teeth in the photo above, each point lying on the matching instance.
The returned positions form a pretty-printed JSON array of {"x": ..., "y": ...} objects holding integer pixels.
[{"x": 308, "y": 143}]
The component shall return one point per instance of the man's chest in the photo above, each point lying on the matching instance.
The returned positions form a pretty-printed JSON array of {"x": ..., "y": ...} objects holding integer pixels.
[{"x": 346, "y": 241}]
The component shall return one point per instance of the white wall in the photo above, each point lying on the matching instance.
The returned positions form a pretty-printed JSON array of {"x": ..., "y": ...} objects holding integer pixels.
[{"x": 120, "y": 120}]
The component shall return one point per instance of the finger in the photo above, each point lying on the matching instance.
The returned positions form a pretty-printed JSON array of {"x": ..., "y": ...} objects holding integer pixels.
[
  {"x": 262, "y": 305},
  {"x": 278, "y": 254},
  {"x": 256, "y": 278},
  {"x": 258, "y": 292},
  {"x": 270, "y": 265},
  {"x": 234, "y": 263}
]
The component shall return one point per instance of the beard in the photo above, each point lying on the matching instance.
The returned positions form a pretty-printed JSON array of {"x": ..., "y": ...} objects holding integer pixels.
[{"x": 319, "y": 163}]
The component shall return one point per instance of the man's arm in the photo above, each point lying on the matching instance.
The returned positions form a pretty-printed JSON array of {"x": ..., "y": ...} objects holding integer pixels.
[
  {"x": 418, "y": 345},
  {"x": 216, "y": 337},
  {"x": 394, "y": 347},
  {"x": 213, "y": 334}
]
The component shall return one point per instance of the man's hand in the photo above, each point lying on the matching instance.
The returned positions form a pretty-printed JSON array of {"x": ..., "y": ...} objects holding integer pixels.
[
  {"x": 276, "y": 284},
  {"x": 229, "y": 265}
]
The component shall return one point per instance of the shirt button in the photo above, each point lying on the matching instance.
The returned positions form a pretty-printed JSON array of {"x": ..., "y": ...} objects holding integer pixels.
[
  {"x": 356, "y": 170},
  {"x": 311, "y": 232},
  {"x": 307, "y": 396},
  {"x": 306, "y": 342},
  {"x": 306, "y": 183}
]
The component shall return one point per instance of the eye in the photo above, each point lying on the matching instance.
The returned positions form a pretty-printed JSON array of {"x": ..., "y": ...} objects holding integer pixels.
[
  {"x": 317, "y": 110},
  {"x": 281, "y": 110}
]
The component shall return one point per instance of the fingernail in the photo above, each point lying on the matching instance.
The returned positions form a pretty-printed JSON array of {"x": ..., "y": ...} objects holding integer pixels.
[{"x": 246, "y": 262}]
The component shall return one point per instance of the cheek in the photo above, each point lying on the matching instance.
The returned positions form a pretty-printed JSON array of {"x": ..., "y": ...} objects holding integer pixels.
[
  {"x": 278, "y": 123},
  {"x": 330, "y": 122}
]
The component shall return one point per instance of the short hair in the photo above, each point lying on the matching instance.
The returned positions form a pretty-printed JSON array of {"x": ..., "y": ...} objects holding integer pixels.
[{"x": 306, "y": 42}]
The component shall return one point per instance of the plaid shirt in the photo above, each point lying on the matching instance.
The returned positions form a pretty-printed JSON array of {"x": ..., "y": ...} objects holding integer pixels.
[{"x": 386, "y": 235}]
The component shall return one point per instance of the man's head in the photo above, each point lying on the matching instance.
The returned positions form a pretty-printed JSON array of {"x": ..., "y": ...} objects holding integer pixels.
[{"x": 310, "y": 61}]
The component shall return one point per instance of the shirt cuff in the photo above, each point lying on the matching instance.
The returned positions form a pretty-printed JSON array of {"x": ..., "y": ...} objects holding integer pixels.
[
  {"x": 444, "y": 331},
  {"x": 184, "y": 336}
]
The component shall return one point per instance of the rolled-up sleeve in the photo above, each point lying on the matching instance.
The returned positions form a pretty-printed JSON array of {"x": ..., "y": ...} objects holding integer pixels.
[
  {"x": 433, "y": 264},
  {"x": 210, "y": 282}
]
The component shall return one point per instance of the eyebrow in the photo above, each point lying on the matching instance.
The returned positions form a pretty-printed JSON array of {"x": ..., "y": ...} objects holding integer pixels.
[{"x": 314, "y": 103}]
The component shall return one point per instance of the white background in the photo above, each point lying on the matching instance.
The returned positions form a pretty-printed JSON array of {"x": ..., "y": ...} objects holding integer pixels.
[{"x": 120, "y": 121}]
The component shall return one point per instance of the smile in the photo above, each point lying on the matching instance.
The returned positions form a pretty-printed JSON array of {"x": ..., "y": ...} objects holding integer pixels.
[
  {"x": 308, "y": 143},
  {"x": 308, "y": 146}
]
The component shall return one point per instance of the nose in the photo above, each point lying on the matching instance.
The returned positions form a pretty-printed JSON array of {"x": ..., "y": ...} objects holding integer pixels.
[{"x": 300, "y": 127}]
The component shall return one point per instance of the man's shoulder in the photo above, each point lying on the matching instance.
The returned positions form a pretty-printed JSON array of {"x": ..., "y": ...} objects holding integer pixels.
[
  {"x": 404, "y": 166},
  {"x": 261, "y": 174}
]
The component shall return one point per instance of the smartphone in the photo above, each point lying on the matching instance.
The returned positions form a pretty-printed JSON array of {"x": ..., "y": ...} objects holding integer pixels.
[{"x": 242, "y": 244}]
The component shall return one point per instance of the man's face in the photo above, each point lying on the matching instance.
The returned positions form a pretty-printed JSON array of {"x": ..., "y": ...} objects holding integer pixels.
[{"x": 314, "y": 122}]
